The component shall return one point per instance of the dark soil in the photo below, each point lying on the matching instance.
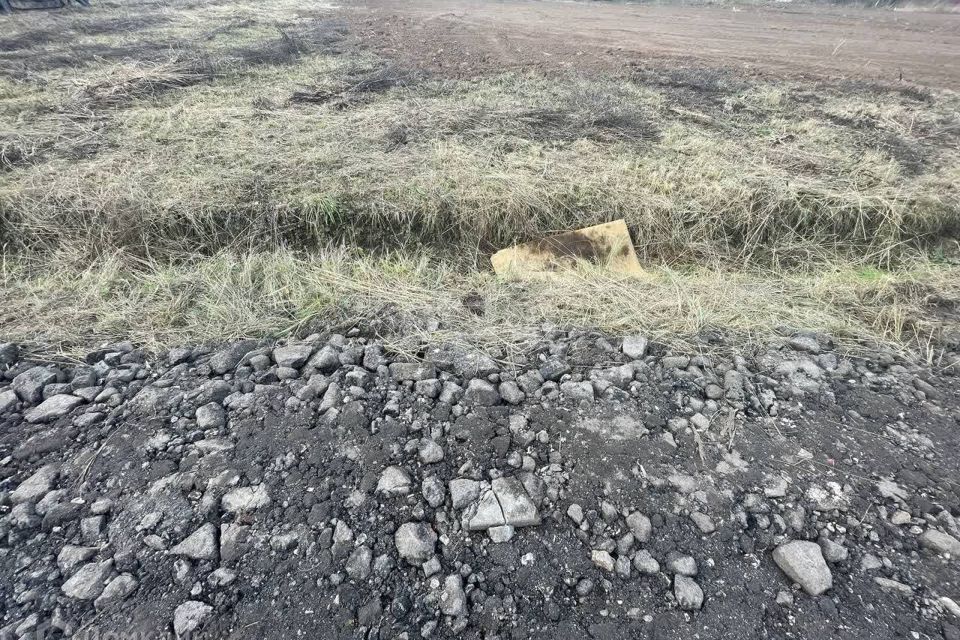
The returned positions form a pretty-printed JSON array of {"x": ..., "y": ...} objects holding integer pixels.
[{"x": 794, "y": 443}]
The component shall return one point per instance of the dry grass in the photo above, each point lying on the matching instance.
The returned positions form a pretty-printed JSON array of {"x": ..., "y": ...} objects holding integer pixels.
[
  {"x": 413, "y": 298},
  {"x": 183, "y": 174}
]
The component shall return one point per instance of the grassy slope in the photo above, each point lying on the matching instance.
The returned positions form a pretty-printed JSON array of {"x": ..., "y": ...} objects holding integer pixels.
[{"x": 189, "y": 181}]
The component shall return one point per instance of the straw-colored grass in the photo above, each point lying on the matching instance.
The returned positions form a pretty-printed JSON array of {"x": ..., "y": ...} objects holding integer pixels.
[{"x": 183, "y": 176}]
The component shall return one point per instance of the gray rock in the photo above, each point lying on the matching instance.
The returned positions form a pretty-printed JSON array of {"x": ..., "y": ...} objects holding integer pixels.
[
  {"x": 211, "y": 416},
  {"x": 577, "y": 391},
  {"x": 688, "y": 593},
  {"x": 682, "y": 565},
  {"x": 870, "y": 562},
  {"x": 29, "y": 385},
  {"x": 518, "y": 509},
  {"x": 415, "y": 542},
  {"x": 188, "y": 617},
  {"x": 199, "y": 545},
  {"x": 394, "y": 481},
  {"x": 72, "y": 556},
  {"x": 530, "y": 381},
  {"x": 430, "y": 452},
  {"x": 602, "y": 559},
  {"x": 484, "y": 514},
  {"x": 92, "y": 528},
  {"x": 703, "y": 522},
  {"x": 293, "y": 356},
  {"x": 9, "y": 353},
  {"x": 804, "y": 343},
  {"x": 463, "y": 492},
  {"x": 511, "y": 393},
  {"x": 412, "y": 371},
  {"x": 645, "y": 563},
  {"x": 640, "y": 526},
  {"x": 36, "y": 486},
  {"x": 803, "y": 562},
  {"x": 233, "y": 540},
  {"x": 245, "y": 499},
  {"x": 221, "y": 577},
  {"x": 374, "y": 358},
  {"x": 634, "y": 347},
  {"x": 433, "y": 491},
  {"x": 8, "y": 401},
  {"x": 892, "y": 585},
  {"x": 358, "y": 565},
  {"x": 940, "y": 542},
  {"x": 575, "y": 513},
  {"x": 472, "y": 364},
  {"x": 453, "y": 600},
  {"x": 832, "y": 551},
  {"x": 501, "y": 534},
  {"x": 227, "y": 360},
  {"x": 332, "y": 397},
  {"x": 481, "y": 393},
  {"x": 117, "y": 590},
  {"x": 554, "y": 369},
  {"x": 326, "y": 360},
  {"x": 88, "y": 582}
]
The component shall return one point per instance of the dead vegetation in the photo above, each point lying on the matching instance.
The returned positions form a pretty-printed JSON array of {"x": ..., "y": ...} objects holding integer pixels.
[{"x": 222, "y": 137}]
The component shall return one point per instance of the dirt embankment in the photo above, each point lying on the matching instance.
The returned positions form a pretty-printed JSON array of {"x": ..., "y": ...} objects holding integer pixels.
[{"x": 466, "y": 36}]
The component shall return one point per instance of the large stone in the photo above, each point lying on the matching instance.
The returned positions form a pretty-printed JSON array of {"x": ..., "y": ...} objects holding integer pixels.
[
  {"x": 8, "y": 401},
  {"x": 430, "y": 452},
  {"x": 9, "y": 353},
  {"x": 327, "y": 360},
  {"x": 292, "y": 355},
  {"x": 358, "y": 565},
  {"x": 199, "y": 545},
  {"x": 227, "y": 360},
  {"x": 72, "y": 556},
  {"x": 511, "y": 392},
  {"x": 117, "y": 590},
  {"x": 518, "y": 509},
  {"x": 453, "y": 600},
  {"x": 463, "y": 492},
  {"x": 432, "y": 490},
  {"x": 88, "y": 582},
  {"x": 52, "y": 408},
  {"x": 415, "y": 542},
  {"x": 245, "y": 499},
  {"x": 640, "y": 526},
  {"x": 29, "y": 384},
  {"x": 36, "y": 486},
  {"x": 484, "y": 514},
  {"x": 211, "y": 416},
  {"x": 634, "y": 347},
  {"x": 189, "y": 616},
  {"x": 577, "y": 391},
  {"x": 394, "y": 481},
  {"x": 481, "y": 393},
  {"x": 412, "y": 371},
  {"x": 940, "y": 542},
  {"x": 803, "y": 562},
  {"x": 688, "y": 593}
]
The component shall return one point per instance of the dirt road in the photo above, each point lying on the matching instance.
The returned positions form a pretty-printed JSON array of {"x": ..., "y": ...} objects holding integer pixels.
[{"x": 468, "y": 35}]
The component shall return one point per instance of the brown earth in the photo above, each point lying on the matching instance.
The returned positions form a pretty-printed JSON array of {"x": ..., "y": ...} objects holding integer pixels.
[{"x": 462, "y": 37}]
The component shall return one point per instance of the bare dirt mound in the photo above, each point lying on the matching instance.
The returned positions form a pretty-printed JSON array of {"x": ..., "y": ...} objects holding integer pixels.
[{"x": 467, "y": 36}]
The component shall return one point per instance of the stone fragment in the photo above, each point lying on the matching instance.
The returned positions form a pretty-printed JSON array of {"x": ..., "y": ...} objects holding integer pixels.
[{"x": 803, "y": 563}]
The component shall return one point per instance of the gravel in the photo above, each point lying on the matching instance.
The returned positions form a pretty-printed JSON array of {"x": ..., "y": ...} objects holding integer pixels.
[{"x": 595, "y": 487}]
